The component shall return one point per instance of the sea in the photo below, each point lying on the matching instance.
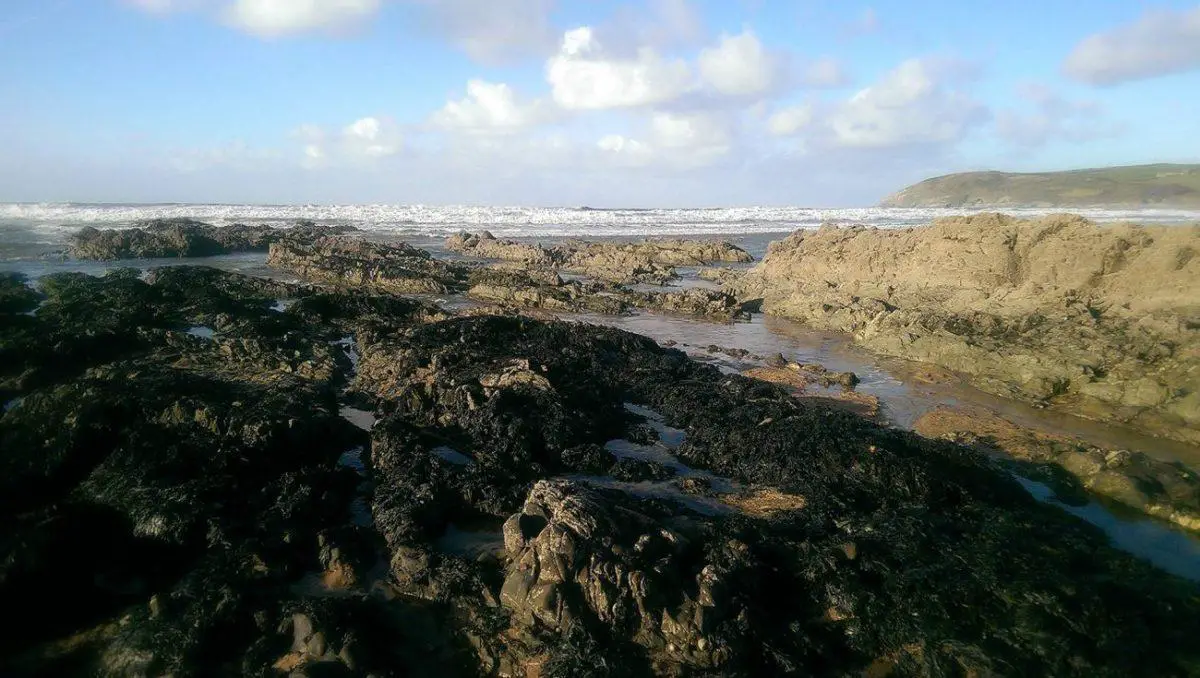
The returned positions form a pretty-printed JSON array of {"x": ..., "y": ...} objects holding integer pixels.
[
  {"x": 33, "y": 238},
  {"x": 31, "y": 230}
]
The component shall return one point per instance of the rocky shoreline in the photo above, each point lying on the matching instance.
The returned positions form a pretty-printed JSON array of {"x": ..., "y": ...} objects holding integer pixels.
[
  {"x": 1101, "y": 322},
  {"x": 213, "y": 474}
]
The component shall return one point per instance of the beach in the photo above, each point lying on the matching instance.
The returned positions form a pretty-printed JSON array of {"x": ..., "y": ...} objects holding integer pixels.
[{"x": 501, "y": 413}]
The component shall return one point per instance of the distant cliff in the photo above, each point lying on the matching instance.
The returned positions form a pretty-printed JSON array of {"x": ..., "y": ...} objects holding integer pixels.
[{"x": 1141, "y": 185}]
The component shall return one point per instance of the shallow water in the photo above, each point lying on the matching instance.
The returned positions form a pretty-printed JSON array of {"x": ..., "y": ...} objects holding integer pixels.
[
  {"x": 203, "y": 332},
  {"x": 359, "y": 418},
  {"x": 471, "y": 543},
  {"x": 1170, "y": 549},
  {"x": 452, "y": 456}
]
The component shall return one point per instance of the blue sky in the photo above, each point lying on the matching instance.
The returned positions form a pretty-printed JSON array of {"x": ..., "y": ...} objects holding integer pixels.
[{"x": 567, "y": 102}]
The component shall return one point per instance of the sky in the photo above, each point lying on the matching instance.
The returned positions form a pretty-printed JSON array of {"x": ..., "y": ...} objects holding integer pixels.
[{"x": 646, "y": 103}]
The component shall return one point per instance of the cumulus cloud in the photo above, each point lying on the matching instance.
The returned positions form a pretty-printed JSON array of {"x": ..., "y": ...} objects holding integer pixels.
[
  {"x": 364, "y": 139},
  {"x": 275, "y": 18},
  {"x": 738, "y": 65},
  {"x": 1053, "y": 118},
  {"x": 490, "y": 108},
  {"x": 1160, "y": 43},
  {"x": 621, "y": 150},
  {"x": 675, "y": 140},
  {"x": 695, "y": 131},
  {"x": 789, "y": 121},
  {"x": 582, "y": 76},
  {"x": 495, "y": 30},
  {"x": 916, "y": 103}
]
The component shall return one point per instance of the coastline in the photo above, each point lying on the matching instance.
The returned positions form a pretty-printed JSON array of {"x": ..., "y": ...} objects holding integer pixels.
[{"x": 400, "y": 369}]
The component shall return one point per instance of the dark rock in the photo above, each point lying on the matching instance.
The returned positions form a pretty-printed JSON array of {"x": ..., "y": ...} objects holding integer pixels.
[
  {"x": 397, "y": 269},
  {"x": 639, "y": 470},
  {"x": 186, "y": 238}
]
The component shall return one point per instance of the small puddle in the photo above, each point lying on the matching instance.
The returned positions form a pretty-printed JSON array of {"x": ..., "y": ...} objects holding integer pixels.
[
  {"x": 662, "y": 490},
  {"x": 669, "y": 436},
  {"x": 1168, "y": 548},
  {"x": 360, "y": 418},
  {"x": 10, "y": 405},
  {"x": 452, "y": 455},
  {"x": 351, "y": 348},
  {"x": 661, "y": 453},
  {"x": 360, "y": 509},
  {"x": 203, "y": 332},
  {"x": 471, "y": 544},
  {"x": 352, "y": 459},
  {"x": 282, "y": 305}
]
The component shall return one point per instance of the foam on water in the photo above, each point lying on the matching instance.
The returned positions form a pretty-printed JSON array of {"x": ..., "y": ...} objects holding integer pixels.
[{"x": 50, "y": 223}]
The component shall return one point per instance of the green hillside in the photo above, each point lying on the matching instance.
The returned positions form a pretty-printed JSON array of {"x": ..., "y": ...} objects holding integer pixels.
[{"x": 1141, "y": 185}]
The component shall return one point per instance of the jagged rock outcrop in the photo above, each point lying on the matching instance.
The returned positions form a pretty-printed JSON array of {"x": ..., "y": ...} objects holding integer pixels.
[
  {"x": 187, "y": 238},
  {"x": 1100, "y": 321},
  {"x": 399, "y": 268},
  {"x": 191, "y": 503},
  {"x": 638, "y": 262}
]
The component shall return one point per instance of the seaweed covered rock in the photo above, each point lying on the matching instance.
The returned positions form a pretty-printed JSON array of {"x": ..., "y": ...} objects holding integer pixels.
[
  {"x": 15, "y": 295},
  {"x": 524, "y": 290},
  {"x": 200, "y": 505},
  {"x": 697, "y": 302},
  {"x": 397, "y": 269},
  {"x": 833, "y": 559},
  {"x": 169, "y": 497},
  {"x": 186, "y": 238}
]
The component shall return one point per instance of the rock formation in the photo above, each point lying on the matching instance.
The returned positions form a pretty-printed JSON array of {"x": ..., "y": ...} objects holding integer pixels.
[
  {"x": 639, "y": 262},
  {"x": 1100, "y": 321},
  {"x": 186, "y": 238}
]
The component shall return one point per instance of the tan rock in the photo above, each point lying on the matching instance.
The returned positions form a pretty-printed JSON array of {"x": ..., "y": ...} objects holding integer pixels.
[
  {"x": 1101, "y": 321},
  {"x": 1166, "y": 490}
]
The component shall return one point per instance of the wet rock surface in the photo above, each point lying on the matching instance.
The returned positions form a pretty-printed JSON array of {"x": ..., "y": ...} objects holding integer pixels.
[
  {"x": 638, "y": 262},
  {"x": 186, "y": 238},
  {"x": 1099, "y": 321},
  {"x": 397, "y": 269},
  {"x": 1165, "y": 490},
  {"x": 194, "y": 506},
  {"x": 402, "y": 269}
]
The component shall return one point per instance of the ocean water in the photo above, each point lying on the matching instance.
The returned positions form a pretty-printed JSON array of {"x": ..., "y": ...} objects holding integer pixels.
[{"x": 28, "y": 229}]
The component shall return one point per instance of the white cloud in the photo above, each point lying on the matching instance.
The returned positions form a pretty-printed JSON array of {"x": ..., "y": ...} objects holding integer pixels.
[
  {"x": 912, "y": 104},
  {"x": 490, "y": 108},
  {"x": 789, "y": 121},
  {"x": 495, "y": 30},
  {"x": 1053, "y": 118},
  {"x": 624, "y": 151},
  {"x": 678, "y": 141},
  {"x": 1160, "y": 43},
  {"x": 739, "y": 65},
  {"x": 581, "y": 77},
  {"x": 371, "y": 137},
  {"x": 696, "y": 131},
  {"x": 362, "y": 140},
  {"x": 825, "y": 72},
  {"x": 275, "y": 18}
]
